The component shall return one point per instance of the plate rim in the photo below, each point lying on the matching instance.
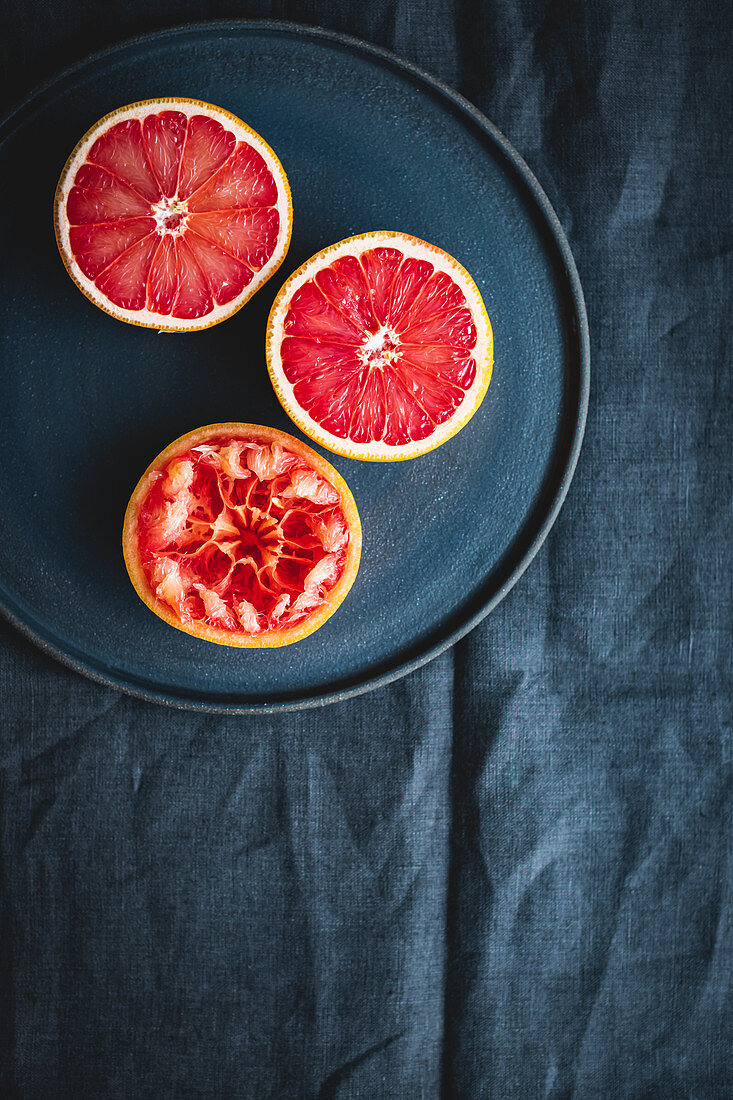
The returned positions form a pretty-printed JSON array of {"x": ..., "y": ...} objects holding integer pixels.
[{"x": 432, "y": 649}]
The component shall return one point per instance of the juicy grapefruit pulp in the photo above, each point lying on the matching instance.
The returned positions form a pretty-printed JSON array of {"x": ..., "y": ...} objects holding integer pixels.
[
  {"x": 380, "y": 347},
  {"x": 242, "y": 535},
  {"x": 172, "y": 213}
]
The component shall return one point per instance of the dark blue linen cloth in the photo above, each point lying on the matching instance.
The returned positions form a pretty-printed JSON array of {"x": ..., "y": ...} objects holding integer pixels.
[{"x": 509, "y": 874}]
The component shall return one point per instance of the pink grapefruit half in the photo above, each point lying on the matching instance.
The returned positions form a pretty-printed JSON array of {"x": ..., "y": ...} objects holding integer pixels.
[{"x": 171, "y": 213}]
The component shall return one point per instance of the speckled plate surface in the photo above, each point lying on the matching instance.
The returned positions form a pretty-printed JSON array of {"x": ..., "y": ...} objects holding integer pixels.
[{"x": 86, "y": 401}]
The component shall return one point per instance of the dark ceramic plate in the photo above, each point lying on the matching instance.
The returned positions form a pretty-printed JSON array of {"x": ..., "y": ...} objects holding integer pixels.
[{"x": 368, "y": 142}]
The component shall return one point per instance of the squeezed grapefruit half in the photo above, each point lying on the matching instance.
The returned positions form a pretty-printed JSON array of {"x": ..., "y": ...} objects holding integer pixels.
[
  {"x": 242, "y": 535},
  {"x": 380, "y": 347},
  {"x": 171, "y": 213}
]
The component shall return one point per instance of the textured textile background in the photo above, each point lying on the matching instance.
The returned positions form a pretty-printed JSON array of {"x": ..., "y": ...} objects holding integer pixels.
[{"x": 508, "y": 875}]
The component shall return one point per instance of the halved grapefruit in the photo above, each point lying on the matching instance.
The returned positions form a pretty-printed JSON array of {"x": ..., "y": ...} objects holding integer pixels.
[
  {"x": 380, "y": 347},
  {"x": 171, "y": 213},
  {"x": 242, "y": 535}
]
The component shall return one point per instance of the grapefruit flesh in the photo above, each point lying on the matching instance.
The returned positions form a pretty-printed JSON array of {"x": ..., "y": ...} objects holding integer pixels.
[
  {"x": 172, "y": 213},
  {"x": 380, "y": 347},
  {"x": 242, "y": 535}
]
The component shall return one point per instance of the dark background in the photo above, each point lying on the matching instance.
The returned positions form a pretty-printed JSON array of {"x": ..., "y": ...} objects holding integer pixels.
[{"x": 507, "y": 875}]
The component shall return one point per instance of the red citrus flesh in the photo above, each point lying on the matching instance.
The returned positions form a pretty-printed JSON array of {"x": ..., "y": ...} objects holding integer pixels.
[
  {"x": 172, "y": 213},
  {"x": 380, "y": 346},
  {"x": 242, "y": 535}
]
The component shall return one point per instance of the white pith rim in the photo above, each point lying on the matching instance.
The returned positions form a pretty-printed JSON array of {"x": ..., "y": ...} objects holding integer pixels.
[
  {"x": 242, "y": 132},
  {"x": 482, "y": 352}
]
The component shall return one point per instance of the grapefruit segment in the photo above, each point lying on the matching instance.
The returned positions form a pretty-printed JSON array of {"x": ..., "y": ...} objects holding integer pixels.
[
  {"x": 193, "y": 298},
  {"x": 121, "y": 150},
  {"x": 242, "y": 535},
  {"x": 308, "y": 359},
  {"x": 406, "y": 286},
  {"x": 228, "y": 277},
  {"x": 162, "y": 281},
  {"x": 330, "y": 396},
  {"x": 207, "y": 146},
  {"x": 454, "y": 329},
  {"x": 369, "y": 417},
  {"x": 248, "y": 235},
  {"x": 242, "y": 182},
  {"x": 454, "y": 365},
  {"x": 124, "y": 281},
  {"x": 438, "y": 296},
  {"x": 209, "y": 190},
  {"x": 313, "y": 316},
  {"x": 436, "y": 396},
  {"x": 406, "y": 419},
  {"x": 98, "y": 196},
  {"x": 380, "y": 267},
  {"x": 344, "y": 285},
  {"x": 164, "y": 135},
  {"x": 380, "y": 347},
  {"x": 96, "y": 246}
]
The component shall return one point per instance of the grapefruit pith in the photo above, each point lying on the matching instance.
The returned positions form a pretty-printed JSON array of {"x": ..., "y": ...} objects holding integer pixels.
[
  {"x": 242, "y": 535},
  {"x": 379, "y": 347},
  {"x": 171, "y": 213}
]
